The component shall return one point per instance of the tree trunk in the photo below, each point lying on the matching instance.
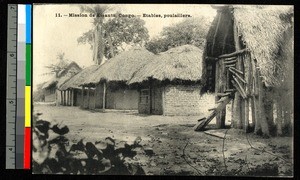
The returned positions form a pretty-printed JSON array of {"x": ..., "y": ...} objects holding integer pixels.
[
  {"x": 98, "y": 47},
  {"x": 111, "y": 47}
]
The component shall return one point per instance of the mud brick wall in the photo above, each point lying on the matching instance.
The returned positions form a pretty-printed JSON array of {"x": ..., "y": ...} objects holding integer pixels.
[
  {"x": 186, "y": 100},
  {"x": 50, "y": 97}
]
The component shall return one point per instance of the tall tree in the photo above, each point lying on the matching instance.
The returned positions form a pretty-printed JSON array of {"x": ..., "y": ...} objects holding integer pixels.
[
  {"x": 58, "y": 67},
  {"x": 115, "y": 32},
  {"x": 95, "y": 36},
  {"x": 190, "y": 31}
]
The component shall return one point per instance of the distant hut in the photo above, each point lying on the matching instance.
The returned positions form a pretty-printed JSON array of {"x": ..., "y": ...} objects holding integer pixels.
[
  {"x": 249, "y": 52},
  {"x": 70, "y": 90},
  {"x": 110, "y": 79},
  {"x": 50, "y": 87},
  {"x": 170, "y": 84}
]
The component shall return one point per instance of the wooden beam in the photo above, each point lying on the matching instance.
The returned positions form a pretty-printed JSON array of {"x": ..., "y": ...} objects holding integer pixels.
[
  {"x": 239, "y": 77},
  {"x": 223, "y": 94},
  {"x": 229, "y": 62},
  {"x": 221, "y": 100},
  {"x": 230, "y": 59},
  {"x": 236, "y": 70},
  {"x": 229, "y": 65},
  {"x": 234, "y": 53},
  {"x": 229, "y": 90},
  {"x": 241, "y": 91}
]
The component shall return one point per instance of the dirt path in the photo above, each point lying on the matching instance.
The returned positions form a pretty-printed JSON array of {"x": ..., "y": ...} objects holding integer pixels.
[{"x": 178, "y": 150}]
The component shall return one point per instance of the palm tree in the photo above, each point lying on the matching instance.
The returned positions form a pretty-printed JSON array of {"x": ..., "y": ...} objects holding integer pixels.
[{"x": 97, "y": 34}]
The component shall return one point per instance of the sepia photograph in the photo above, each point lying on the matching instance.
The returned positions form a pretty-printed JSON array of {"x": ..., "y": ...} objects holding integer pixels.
[{"x": 163, "y": 89}]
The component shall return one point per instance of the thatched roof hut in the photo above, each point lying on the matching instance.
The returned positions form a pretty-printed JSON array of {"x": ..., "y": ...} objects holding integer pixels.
[
  {"x": 261, "y": 28},
  {"x": 179, "y": 63},
  {"x": 121, "y": 67},
  {"x": 249, "y": 57},
  {"x": 79, "y": 78},
  {"x": 61, "y": 77}
]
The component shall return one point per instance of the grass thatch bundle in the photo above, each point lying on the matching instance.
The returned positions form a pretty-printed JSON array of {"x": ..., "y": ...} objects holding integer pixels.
[
  {"x": 262, "y": 29},
  {"x": 121, "y": 67},
  {"x": 50, "y": 83},
  {"x": 76, "y": 80},
  {"x": 179, "y": 63}
]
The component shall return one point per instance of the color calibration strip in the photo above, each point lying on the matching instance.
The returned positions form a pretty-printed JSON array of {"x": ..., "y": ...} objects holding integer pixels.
[
  {"x": 21, "y": 59},
  {"x": 22, "y": 72},
  {"x": 27, "y": 137}
]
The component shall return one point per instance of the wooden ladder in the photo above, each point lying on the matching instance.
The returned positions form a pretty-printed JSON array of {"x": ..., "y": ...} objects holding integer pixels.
[{"x": 202, "y": 123}]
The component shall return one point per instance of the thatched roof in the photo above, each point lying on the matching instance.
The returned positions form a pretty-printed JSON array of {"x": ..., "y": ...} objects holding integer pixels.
[
  {"x": 179, "y": 63},
  {"x": 261, "y": 29},
  {"x": 121, "y": 67},
  {"x": 79, "y": 78},
  {"x": 60, "y": 78}
]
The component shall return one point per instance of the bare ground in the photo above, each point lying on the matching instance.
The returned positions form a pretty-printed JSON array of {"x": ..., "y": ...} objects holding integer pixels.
[{"x": 178, "y": 149}]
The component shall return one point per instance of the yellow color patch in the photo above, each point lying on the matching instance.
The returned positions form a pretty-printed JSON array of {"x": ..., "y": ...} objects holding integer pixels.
[{"x": 27, "y": 106}]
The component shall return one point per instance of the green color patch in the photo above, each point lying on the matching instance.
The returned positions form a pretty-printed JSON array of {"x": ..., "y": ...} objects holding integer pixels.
[{"x": 28, "y": 64}]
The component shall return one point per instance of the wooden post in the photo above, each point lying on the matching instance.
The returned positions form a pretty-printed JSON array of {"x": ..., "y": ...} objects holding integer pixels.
[
  {"x": 104, "y": 94},
  {"x": 72, "y": 99},
  {"x": 247, "y": 86},
  {"x": 220, "y": 86},
  {"x": 95, "y": 90},
  {"x": 279, "y": 116},
  {"x": 88, "y": 97},
  {"x": 237, "y": 105},
  {"x": 82, "y": 97},
  {"x": 68, "y": 97},
  {"x": 163, "y": 99},
  {"x": 263, "y": 120},
  {"x": 64, "y": 97},
  {"x": 61, "y": 98},
  {"x": 150, "y": 95}
]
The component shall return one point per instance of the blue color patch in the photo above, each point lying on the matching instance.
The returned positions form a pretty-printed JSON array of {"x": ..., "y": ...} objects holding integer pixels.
[{"x": 28, "y": 23}]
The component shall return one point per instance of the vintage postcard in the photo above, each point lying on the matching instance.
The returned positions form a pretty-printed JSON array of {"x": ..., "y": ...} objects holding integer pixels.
[{"x": 163, "y": 89}]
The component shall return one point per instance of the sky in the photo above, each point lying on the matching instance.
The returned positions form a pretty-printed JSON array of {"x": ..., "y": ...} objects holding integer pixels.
[{"x": 52, "y": 35}]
